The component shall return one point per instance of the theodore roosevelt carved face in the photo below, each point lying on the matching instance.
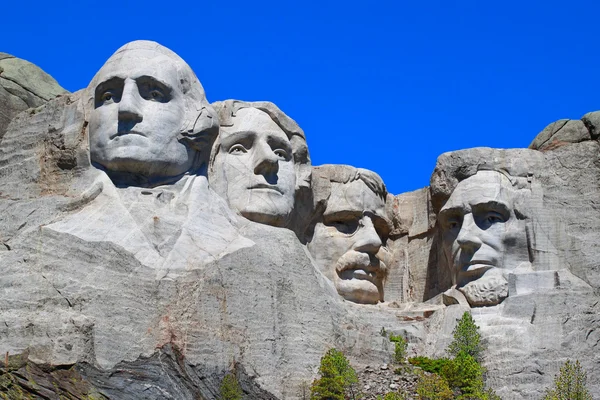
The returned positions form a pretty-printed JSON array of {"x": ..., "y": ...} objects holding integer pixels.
[
  {"x": 143, "y": 99},
  {"x": 258, "y": 161},
  {"x": 348, "y": 241},
  {"x": 483, "y": 236}
]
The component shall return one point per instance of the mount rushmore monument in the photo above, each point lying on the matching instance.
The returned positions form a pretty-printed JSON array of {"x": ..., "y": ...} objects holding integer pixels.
[{"x": 152, "y": 241}]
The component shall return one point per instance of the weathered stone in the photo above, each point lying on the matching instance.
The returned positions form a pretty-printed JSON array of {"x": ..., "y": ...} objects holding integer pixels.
[
  {"x": 132, "y": 272},
  {"x": 347, "y": 241},
  {"x": 260, "y": 162},
  {"x": 592, "y": 123},
  {"x": 22, "y": 86},
  {"x": 560, "y": 133}
]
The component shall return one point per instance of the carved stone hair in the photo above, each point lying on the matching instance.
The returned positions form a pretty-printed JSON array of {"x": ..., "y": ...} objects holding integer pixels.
[
  {"x": 200, "y": 124},
  {"x": 346, "y": 174},
  {"x": 454, "y": 167},
  {"x": 325, "y": 175},
  {"x": 227, "y": 110}
]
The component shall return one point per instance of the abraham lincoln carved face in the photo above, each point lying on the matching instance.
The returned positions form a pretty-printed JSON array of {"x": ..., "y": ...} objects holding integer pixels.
[{"x": 483, "y": 236}]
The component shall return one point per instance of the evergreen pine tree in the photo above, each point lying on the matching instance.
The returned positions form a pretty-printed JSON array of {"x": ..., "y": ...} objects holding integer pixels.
[
  {"x": 230, "y": 388},
  {"x": 569, "y": 384},
  {"x": 338, "y": 378},
  {"x": 466, "y": 338}
]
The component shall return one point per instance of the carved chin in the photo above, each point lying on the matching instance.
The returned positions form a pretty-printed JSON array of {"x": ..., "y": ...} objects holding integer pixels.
[
  {"x": 485, "y": 291},
  {"x": 358, "y": 291}
]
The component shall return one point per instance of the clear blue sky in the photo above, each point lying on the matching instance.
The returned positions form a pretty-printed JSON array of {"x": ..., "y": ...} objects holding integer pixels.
[{"x": 383, "y": 85}]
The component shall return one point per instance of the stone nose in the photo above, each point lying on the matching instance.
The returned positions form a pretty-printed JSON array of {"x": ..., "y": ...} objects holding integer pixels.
[
  {"x": 266, "y": 161},
  {"x": 129, "y": 105},
  {"x": 469, "y": 235},
  {"x": 367, "y": 238}
]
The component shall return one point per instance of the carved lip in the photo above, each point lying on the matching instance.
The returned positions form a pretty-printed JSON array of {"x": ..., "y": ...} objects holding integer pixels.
[
  {"x": 266, "y": 186},
  {"x": 358, "y": 273},
  {"x": 123, "y": 133}
]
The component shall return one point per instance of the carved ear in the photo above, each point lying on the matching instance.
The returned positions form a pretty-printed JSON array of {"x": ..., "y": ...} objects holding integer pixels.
[{"x": 202, "y": 130}]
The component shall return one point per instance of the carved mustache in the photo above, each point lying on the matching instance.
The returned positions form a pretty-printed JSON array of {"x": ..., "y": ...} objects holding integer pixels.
[{"x": 355, "y": 260}]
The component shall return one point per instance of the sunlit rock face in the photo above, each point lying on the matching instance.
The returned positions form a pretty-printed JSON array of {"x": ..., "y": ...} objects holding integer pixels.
[
  {"x": 483, "y": 234},
  {"x": 347, "y": 241},
  {"x": 151, "y": 241},
  {"x": 260, "y": 160},
  {"x": 147, "y": 108}
]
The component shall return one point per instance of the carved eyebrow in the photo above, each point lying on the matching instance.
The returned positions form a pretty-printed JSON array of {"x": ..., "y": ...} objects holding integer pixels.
[
  {"x": 379, "y": 219},
  {"x": 109, "y": 83},
  {"x": 451, "y": 212},
  {"x": 279, "y": 141},
  {"x": 235, "y": 137},
  {"x": 344, "y": 214},
  {"x": 155, "y": 81},
  {"x": 492, "y": 205},
  {"x": 382, "y": 224}
]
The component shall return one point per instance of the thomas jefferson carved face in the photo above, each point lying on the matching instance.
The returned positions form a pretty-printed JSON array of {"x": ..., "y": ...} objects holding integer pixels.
[
  {"x": 256, "y": 168},
  {"x": 139, "y": 109},
  {"x": 347, "y": 244},
  {"x": 482, "y": 236}
]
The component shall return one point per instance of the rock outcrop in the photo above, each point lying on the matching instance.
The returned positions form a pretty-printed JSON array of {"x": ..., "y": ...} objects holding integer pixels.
[
  {"x": 23, "y": 85},
  {"x": 128, "y": 271}
]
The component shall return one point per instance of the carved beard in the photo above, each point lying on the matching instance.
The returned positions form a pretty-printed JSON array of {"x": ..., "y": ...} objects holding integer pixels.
[{"x": 489, "y": 290}]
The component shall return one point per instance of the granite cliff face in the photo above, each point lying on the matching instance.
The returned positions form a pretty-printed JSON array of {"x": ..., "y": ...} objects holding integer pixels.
[
  {"x": 151, "y": 242},
  {"x": 22, "y": 86}
]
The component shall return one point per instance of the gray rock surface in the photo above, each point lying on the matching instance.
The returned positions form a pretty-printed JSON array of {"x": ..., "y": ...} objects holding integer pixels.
[
  {"x": 540, "y": 324},
  {"x": 157, "y": 288},
  {"x": 23, "y": 85}
]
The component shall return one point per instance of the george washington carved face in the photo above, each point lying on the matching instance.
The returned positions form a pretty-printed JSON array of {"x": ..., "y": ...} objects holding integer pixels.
[{"x": 142, "y": 100}]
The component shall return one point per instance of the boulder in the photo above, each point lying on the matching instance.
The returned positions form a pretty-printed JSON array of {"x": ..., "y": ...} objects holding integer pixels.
[{"x": 23, "y": 85}]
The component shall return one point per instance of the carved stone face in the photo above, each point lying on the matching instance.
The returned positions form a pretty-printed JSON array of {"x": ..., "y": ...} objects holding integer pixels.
[
  {"x": 138, "y": 112},
  {"x": 347, "y": 244},
  {"x": 481, "y": 233},
  {"x": 256, "y": 168}
]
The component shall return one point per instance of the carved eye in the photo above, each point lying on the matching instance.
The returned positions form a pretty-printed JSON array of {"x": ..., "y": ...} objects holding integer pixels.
[
  {"x": 237, "y": 149},
  {"x": 157, "y": 95},
  {"x": 494, "y": 217},
  {"x": 107, "y": 97},
  {"x": 348, "y": 226},
  {"x": 282, "y": 154},
  {"x": 452, "y": 223}
]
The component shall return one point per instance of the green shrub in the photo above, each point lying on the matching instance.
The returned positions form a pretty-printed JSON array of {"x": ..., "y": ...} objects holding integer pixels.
[
  {"x": 466, "y": 338},
  {"x": 433, "y": 387},
  {"x": 230, "y": 388},
  {"x": 338, "y": 379},
  {"x": 569, "y": 383},
  {"x": 464, "y": 373},
  {"x": 433, "y": 365},
  {"x": 400, "y": 346},
  {"x": 394, "y": 396}
]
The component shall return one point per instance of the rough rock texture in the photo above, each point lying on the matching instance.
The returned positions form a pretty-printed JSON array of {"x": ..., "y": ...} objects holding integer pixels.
[
  {"x": 101, "y": 296},
  {"x": 23, "y": 85},
  {"x": 139, "y": 290},
  {"x": 550, "y": 314}
]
